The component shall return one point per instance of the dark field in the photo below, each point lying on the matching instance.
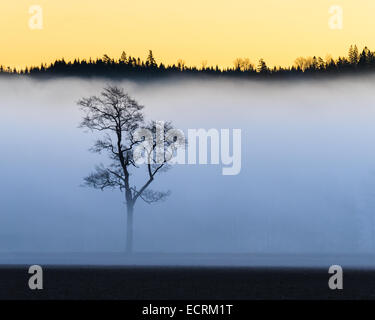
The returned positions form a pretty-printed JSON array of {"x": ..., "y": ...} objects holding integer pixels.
[{"x": 80, "y": 282}]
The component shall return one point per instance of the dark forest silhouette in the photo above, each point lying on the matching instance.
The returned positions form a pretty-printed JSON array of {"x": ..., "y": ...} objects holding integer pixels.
[{"x": 128, "y": 66}]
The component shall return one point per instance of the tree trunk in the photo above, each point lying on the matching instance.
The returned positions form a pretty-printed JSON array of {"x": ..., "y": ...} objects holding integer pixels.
[{"x": 129, "y": 228}]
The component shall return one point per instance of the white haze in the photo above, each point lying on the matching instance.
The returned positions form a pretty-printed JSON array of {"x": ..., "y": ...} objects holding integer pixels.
[{"x": 307, "y": 183}]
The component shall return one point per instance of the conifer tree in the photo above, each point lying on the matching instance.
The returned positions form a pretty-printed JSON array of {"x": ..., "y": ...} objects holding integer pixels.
[
  {"x": 151, "y": 62},
  {"x": 262, "y": 66}
]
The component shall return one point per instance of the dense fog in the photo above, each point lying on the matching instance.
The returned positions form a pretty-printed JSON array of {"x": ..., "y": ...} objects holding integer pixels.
[{"x": 307, "y": 182}]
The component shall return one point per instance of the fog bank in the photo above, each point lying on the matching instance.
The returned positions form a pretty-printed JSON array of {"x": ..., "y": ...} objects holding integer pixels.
[{"x": 307, "y": 183}]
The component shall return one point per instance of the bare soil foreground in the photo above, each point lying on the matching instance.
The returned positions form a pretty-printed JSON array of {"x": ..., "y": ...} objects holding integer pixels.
[{"x": 232, "y": 283}]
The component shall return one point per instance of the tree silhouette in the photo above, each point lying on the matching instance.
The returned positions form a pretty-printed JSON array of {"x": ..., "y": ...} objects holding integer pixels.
[
  {"x": 353, "y": 55},
  {"x": 181, "y": 64},
  {"x": 262, "y": 67},
  {"x": 123, "y": 57},
  {"x": 300, "y": 63},
  {"x": 151, "y": 62},
  {"x": 204, "y": 64},
  {"x": 119, "y": 117},
  {"x": 243, "y": 65}
]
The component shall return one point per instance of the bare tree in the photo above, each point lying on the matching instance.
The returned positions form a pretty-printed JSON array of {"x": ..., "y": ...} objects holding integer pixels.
[
  {"x": 204, "y": 64},
  {"x": 237, "y": 64},
  {"x": 306, "y": 63},
  {"x": 181, "y": 64},
  {"x": 120, "y": 119},
  {"x": 300, "y": 63},
  {"x": 243, "y": 64}
]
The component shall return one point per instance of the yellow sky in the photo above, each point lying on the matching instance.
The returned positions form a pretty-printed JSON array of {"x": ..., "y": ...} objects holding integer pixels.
[{"x": 193, "y": 30}]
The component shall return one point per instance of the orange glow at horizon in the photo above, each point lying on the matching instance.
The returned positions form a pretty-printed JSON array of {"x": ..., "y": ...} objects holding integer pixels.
[{"x": 194, "y": 31}]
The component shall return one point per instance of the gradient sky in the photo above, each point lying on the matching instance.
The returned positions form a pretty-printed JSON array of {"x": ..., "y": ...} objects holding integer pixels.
[{"x": 193, "y": 30}]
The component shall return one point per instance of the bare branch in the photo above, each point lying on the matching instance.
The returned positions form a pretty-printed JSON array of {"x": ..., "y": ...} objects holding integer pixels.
[{"x": 119, "y": 116}]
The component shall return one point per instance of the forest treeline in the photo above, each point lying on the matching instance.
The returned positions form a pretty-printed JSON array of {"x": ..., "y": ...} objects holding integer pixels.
[{"x": 128, "y": 66}]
